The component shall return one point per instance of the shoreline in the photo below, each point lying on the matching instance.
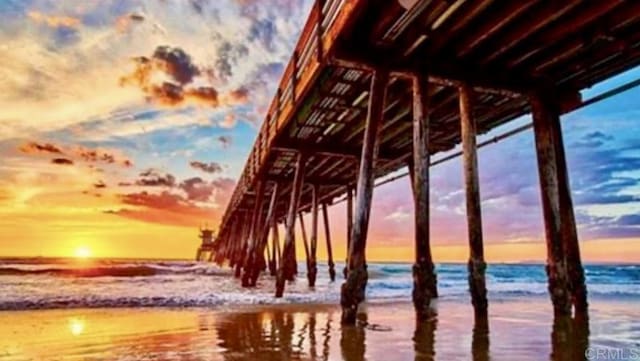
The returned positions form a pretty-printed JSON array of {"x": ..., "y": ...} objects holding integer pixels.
[{"x": 288, "y": 304}]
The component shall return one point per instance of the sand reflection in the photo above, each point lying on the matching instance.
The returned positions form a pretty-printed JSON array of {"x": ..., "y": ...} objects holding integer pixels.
[
  {"x": 569, "y": 338},
  {"x": 275, "y": 335}
]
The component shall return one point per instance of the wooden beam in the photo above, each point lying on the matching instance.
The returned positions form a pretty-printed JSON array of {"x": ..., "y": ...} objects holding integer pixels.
[
  {"x": 287, "y": 268},
  {"x": 327, "y": 236},
  {"x": 476, "y": 265},
  {"x": 352, "y": 293},
  {"x": 452, "y": 74},
  {"x": 424, "y": 278},
  {"x": 325, "y": 150},
  {"x": 564, "y": 266}
]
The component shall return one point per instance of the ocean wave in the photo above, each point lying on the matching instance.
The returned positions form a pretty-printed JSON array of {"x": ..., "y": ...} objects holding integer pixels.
[
  {"x": 116, "y": 270},
  {"x": 117, "y": 284}
]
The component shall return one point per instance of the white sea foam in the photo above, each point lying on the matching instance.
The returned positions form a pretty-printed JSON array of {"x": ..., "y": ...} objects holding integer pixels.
[{"x": 42, "y": 285}]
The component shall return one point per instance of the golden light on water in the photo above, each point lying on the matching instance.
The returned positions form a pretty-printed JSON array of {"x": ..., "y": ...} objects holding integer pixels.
[
  {"x": 83, "y": 252},
  {"x": 76, "y": 326}
]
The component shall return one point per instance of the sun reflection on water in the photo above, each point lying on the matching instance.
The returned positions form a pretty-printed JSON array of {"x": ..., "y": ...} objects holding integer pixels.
[{"x": 76, "y": 326}]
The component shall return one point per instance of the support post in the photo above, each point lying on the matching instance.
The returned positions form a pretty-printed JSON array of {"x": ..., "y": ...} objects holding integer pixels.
[
  {"x": 312, "y": 264},
  {"x": 287, "y": 266},
  {"x": 305, "y": 242},
  {"x": 349, "y": 227},
  {"x": 275, "y": 248},
  {"x": 258, "y": 254},
  {"x": 277, "y": 253},
  {"x": 564, "y": 266},
  {"x": 424, "y": 278},
  {"x": 327, "y": 236},
  {"x": 476, "y": 265},
  {"x": 252, "y": 243},
  {"x": 352, "y": 292},
  {"x": 242, "y": 249}
]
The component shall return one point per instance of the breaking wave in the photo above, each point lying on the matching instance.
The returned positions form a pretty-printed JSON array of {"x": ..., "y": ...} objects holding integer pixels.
[{"x": 47, "y": 284}]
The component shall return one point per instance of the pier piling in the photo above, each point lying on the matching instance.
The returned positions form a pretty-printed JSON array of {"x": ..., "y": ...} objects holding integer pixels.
[
  {"x": 352, "y": 292},
  {"x": 564, "y": 267},
  {"x": 476, "y": 264},
  {"x": 287, "y": 268},
  {"x": 327, "y": 235},
  {"x": 424, "y": 278}
]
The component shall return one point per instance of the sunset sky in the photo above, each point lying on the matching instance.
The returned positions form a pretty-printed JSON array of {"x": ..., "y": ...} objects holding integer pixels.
[{"x": 124, "y": 125}]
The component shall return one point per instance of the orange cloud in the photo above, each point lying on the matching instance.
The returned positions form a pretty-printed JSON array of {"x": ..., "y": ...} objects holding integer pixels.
[{"x": 53, "y": 20}]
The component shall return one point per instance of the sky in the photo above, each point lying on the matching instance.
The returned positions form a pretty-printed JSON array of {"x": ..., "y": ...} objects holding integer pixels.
[{"x": 125, "y": 124}]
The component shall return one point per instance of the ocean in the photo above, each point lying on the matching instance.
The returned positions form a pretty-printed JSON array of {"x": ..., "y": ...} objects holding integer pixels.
[{"x": 39, "y": 284}]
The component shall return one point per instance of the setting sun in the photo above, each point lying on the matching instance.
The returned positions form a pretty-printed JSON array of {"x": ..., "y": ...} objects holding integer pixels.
[{"x": 83, "y": 252}]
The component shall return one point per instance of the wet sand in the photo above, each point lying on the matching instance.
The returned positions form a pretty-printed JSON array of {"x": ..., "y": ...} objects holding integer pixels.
[{"x": 517, "y": 330}]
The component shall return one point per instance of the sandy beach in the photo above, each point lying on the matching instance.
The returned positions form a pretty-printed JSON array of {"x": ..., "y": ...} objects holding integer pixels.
[{"x": 517, "y": 330}]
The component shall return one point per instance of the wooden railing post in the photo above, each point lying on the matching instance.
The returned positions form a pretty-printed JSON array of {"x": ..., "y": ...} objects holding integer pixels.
[{"x": 319, "y": 31}]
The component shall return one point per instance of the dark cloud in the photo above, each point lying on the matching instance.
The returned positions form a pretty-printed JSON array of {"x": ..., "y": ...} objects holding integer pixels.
[
  {"x": 228, "y": 55},
  {"x": 99, "y": 185},
  {"x": 34, "y": 147},
  {"x": 264, "y": 31},
  {"x": 629, "y": 220},
  {"x": 90, "y": 155},
  {"x": 184, "y": 209},
  {"x": 125, "y": 22},
  {"x": 211, "y": 167},
  {"x": 225, "y": 141},
  {"x": 81, "y": 153},
  {"x": 197, "y": 189},
  {"x": 593, "y": 140},
  {"x": 153, "y": 178},
  {"x": 62, "y": 161},
  {"x": 176, "y": 64}
]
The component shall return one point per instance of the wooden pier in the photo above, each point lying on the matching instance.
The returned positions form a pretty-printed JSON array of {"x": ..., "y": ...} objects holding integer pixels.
[{"x": 374, "y": 86}]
